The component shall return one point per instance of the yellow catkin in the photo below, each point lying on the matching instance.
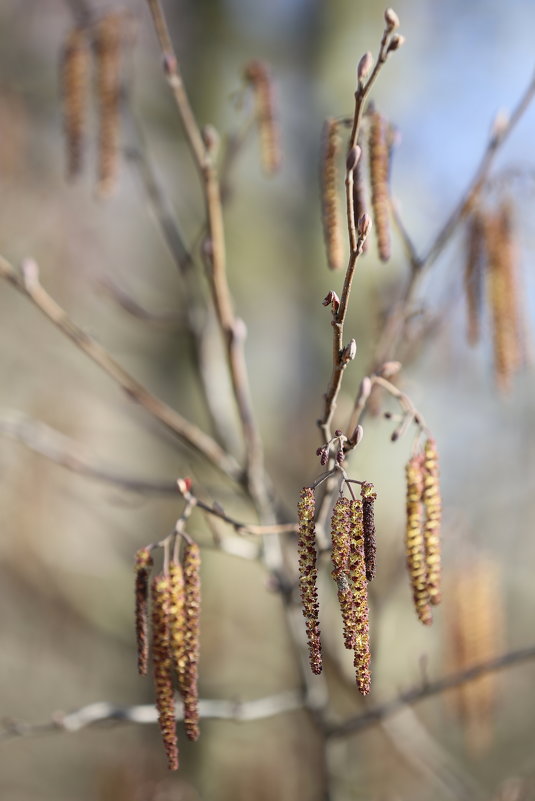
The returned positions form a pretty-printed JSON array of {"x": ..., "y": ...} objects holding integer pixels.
[
  {"x": 378, "y": 159},
  {"x": 192, "y": 610},
  {"x": 357, "y": 565},
  {"x": 107, "y": 41},
  {"x": 476, "y": 634},
  {"x": 330, "y": 206},
  {"x": 308, "y": 575},
  {"x": 258, "y": 75},
  {"x": 177, "y": 621},
  {"x": 163, "y": 676},
  {"x": 74, "y": 76},
  {"x": 414, "y": 540},
  {"x": 474, "y": 268},
  {"x": 433, "y": 516},
  {"x": 142, "y": 567},
  {"x": 340, "y": 572}
]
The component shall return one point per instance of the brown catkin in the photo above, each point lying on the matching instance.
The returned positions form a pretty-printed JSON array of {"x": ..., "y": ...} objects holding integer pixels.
[
  {"x": 143, "y": 565},
  {"x": 74, "y": 76},
  {"x": 360, "y": 593},
  {"x": 368, "y": 496},
  {"x": 378, "y": 159},
  {"x": 192, "y": 610},
  {"x": 330, "y": 206},
  {"x": 340, "y": 572},
  {"x": 177, "y": 621},
  {"x": 163, "y": 675},
  {"x": 414, "y": 539},
  {"x": 308, "y": 575},
  {"x": 433, "y": 516},
  {"x": 107, "y": 40},
  {"x": 258, "y": 75},
  {"x": 474, "y": 273}
]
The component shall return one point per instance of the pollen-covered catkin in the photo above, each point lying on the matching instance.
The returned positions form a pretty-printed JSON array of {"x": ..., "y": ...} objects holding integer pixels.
[
  {"x": 360, "y": 593},
  {"x": 330, "y": 207},
  {"x": 340, "y": 571},
  {"x": 143, "y": 565},
  {"x": 163, "y": 676},
  {"x": 258, "y": 75},
  {"x": 414, "y": 540},
  {"x": 368, "y": 496},
  {"x": 107, "y": 41},
  {"x": 192, "y": 610},
  {"x": 74, "y": 84},
  {"x": 433, "y": 515},
  {"x": 177, "y": 621},
  {"x": 308, "y": 575},
  {"x": 378, "y": 159}
]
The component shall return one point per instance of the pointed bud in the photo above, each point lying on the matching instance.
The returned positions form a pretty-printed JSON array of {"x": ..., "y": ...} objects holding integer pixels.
[
  {"x": 365, "y": 223},
  {"x": 365, "y": 65},
  {"x": 353, "y": 158}
]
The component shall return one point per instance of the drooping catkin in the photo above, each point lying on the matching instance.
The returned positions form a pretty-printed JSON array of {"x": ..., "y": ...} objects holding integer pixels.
[
  {"x": 192, "y": 610},
  {"x": 74, "y": 77},
  {"x": 378, "y": 160},
  {"x": 414, "y": 539},
  {"x": 360, "y": 594},
  {"x": 340, "y": 572},
  {"x": 308, "y": 575},
  {"x": 330, "y": 206},
  {"x": 107, "y": 43},
  {"x": 368, "y": 496},
  {"x": 142, "y": 567},
  {"x": 163, "y": 676},
  {"x": 177, "y": 621},
  {"x": 476, "y": 634},
  {"x": 258, "y": 75},
  {"x": 474, "y": 274},
  {"x": 433, "y": 516}
]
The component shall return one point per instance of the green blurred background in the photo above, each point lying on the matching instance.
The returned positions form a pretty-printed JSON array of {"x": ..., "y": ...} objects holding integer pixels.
[{"x": 67, "y": 543}]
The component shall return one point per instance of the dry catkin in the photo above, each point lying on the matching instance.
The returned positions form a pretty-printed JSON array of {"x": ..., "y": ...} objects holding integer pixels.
[
  {"x": 330, "y": 207},
  {"x": 143, "y": 565},
  {"x": 378, "y": 158},
  {"x": 74, "y": 84},
  {"x": 340, "y": 573},
  {"x": 192, "y": 609},
  {"x": 163, "y": 675},
  {"x": 414, "y": 540},
  {"x": 474, "y": 273},
  {"x": 107, "y": 41},
  {"x": 177, "y": 621},
  {"x": 308, "y": 575},
  {"x": 360, "y": 593},
  {"x": 433, "y": 515},
  {"x": 258, "y": 75},
  {"x": 368, "y": 496}
]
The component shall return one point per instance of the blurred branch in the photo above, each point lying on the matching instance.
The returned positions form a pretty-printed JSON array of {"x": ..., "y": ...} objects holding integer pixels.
[
  {"x": 429, "y": 689},
  {"x": 103, "y": 712},
  {"x": 28, "y": 285},
  {"x": 123, "y": 299}
]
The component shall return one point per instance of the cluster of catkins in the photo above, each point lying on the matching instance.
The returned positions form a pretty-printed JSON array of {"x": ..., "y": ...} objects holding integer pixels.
[
  {"x": 176, "y": 596},
  {"x": 422, "y": 541},
  {"x": 353, "y": 565},
  {"x": 105, "y": 39}
]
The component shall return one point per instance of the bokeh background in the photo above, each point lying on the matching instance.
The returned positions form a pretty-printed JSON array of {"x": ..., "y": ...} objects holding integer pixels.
[{"x": 67, "y": 543}]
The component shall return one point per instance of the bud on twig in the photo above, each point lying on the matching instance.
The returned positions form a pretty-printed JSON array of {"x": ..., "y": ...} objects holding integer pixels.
[
  {"x": 357, "y": 435},
  {"x": 396, "y": 42},
  {"x": 365, "y": 223},
  {"x": 349, "y": 352},
  {"x": 331, "y": 298},
  {"x": 365, "y": 65},
  {"x": 353, "y": 158},
  {"x": 391, "y": 19}
]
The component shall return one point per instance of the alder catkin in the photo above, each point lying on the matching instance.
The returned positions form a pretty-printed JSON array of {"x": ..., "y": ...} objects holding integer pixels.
[
  {"x": 107, "y": 43},
  {"x": 192, "y": 609},
  {"x": 340, "y": 572},
  {"x": 368, "y": 496},
  {"x": 177, "y": 621},
  {"x": 379, "y": 167},
  {"x": 163, "y": 676},
  {"x": 330, "y": 206},
  {"x": 308, "y": 575},
  {"x": 360, "y": 593},
  {"x": 414, "y": 539},
  {"x": 142, "y": 567},
  {"x": 433, "y": 515},
  {"x": 258, "y": 75},
  {"x": 474, "y": 274},
  {"x": 74, "y": 76}
]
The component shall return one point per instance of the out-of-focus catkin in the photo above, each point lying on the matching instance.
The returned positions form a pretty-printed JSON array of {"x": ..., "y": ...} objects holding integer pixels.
[
  {"x": 414, "y": 539},
  {"x": 163, "y": 677},
  {"x": 433, "y": 516},
  {"x": 360, "y": 592},
  {"x": 177, "y": 621},
  {"x": 192, "y": 610},
  {"x": 308, "y": 575},
  {"x": 107, "y": 45},
  {"x": 378, "y": 160},
  {"x": 142, "y": 567},
  {"x": 340, "y": 559},
  {"x": 369, "y": 496},
  {"x": 474, "y": 274},
  {"x": 74, "y": 75},
  {"x": 475, "y": 632},
  {"x": 258, "y": 75},
  {"x": 330, "y": 206}
]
